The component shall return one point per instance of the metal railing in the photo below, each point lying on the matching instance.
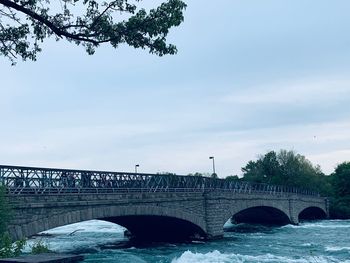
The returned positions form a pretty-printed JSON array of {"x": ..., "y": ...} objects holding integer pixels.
[{"x": 20, "y": 180}]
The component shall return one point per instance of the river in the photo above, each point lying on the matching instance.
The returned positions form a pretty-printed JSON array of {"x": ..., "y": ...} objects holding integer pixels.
[{"x": 316, "y": 242}]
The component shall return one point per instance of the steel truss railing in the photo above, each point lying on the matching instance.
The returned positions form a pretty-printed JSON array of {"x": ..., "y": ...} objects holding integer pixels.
[{"x": 32, "y": 180}]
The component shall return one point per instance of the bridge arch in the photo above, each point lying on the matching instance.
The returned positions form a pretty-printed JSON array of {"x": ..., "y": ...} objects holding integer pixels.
[
  {"x": 127, "y": 216},
  {"x": 262, "y": 215},
  {"x": 312, "y": 213},
  {"x": 262, "y": 211}
]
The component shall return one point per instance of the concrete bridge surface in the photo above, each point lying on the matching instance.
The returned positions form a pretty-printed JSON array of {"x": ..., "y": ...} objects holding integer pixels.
[{"x": 149, "y": 206}]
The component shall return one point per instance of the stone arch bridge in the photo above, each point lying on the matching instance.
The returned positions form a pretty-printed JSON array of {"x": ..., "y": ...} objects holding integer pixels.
[{"x": 150, "y": 206}]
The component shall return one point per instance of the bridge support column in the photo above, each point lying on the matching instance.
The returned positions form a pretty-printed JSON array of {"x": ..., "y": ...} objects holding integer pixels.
[
  {"x": 213, "y": 208},
  {"x": 327, "y": 207},
  {"x": 293, "y": 214},
  {"x": 215, "y": 228},
  {"x": 294, "y": 220}
]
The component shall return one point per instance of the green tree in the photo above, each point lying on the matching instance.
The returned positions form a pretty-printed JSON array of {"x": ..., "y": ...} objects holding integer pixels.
[
  {"x": 214, "y": 176},
  {"x": 232, "y": 178},
  {"x": 196, "y": 174},
  {"x": 166, "y": 173},
  {"x": 200, "y": 174},
  {"x": 342, "y": 180},
  {"x": 9, "y": 249},
  {"x": 265, "y": 169},
  {"x": 340, "y": 205},
  {"x": 40, "y": 247},
  {"x": 24, "y": 24},
  {"x": 284, "y": 168},
  {"x": 296, "y": 170}
]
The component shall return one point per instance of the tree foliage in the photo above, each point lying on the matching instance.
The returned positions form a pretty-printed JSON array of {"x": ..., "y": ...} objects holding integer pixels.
[
  {"x": 340, "y": 205},
  {"x": 24, "y": 24},
  {"x": 342, "y": 180},
  {"x": 40, "y": 247},
  {"x": 286, "y": 168},
  {"x": 198, "y": 174},
  {"x": 9, "y": 249},
  {"x": 291, "y": 169},
  {"x": 232, "y": 178}
]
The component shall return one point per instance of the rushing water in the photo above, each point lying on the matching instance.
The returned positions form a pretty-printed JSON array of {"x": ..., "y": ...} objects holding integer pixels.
[{"x": 316, "y": 242}]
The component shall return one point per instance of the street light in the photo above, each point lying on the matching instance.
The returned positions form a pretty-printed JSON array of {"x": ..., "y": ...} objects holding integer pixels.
[
  {"x": 136, "y": 165},
  {"x": 212, "y": 158}
]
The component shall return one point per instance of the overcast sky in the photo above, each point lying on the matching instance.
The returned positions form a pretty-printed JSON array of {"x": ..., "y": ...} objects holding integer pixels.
[{"x": 249, "y": 77}]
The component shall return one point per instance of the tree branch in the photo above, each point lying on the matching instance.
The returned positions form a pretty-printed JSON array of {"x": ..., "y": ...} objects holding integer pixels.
[
  {"x": 104, "y": 11},
  {"x": 46, "y": 22},
  {"x": 96, "y": 25}
]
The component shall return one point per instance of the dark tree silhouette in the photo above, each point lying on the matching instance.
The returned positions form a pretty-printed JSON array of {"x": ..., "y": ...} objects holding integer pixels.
[{"x": 24, "y": 24}]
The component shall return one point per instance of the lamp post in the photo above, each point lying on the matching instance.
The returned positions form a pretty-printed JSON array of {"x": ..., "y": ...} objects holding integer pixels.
[
  {"x": 212, "y": 158},
  {"x": 136, "y": 165}
]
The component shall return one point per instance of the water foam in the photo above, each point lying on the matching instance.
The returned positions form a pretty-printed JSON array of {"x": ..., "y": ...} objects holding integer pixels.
[
  {"x": 217, "y": 257},
  {"x": 334, "y": 249},
  {"x": 306, "y": 245},
  {"x": 80, "y": 237},
  {"x": 92, "y": 226},
  {"x": 330, "y": 224}
]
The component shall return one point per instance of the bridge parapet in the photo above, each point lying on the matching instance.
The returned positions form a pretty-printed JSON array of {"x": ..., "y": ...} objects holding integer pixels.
[{"x": 34, "y": 180}]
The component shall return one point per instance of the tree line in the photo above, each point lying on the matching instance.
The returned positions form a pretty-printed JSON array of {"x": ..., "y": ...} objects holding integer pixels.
[{"x": 288, "y": 168}]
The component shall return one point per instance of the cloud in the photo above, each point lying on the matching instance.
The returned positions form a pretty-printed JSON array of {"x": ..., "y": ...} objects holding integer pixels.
[
  {"x": 158, "y": 148},
  {"x": 249, "y": 80},
  {"x": 302, "y": 92},
  {"x": 330, "y": 160}
]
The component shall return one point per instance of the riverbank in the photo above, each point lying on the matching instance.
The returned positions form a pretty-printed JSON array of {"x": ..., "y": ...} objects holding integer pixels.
[{"x": 44, "y": 258}]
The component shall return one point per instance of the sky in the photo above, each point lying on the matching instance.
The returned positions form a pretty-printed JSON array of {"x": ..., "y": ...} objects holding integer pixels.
[{"x": 250, "y": 76}]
